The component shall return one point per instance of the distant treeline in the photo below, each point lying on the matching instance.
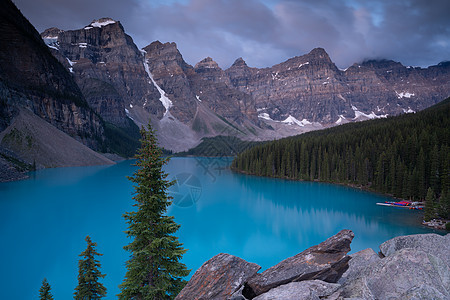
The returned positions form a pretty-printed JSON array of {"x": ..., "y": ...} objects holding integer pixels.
[
  {"x": 219, "y": 146},
  {"x": 403, "y": 156}
]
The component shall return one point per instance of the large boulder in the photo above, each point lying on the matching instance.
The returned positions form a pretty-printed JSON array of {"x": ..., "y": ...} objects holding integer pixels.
[
  {"x": 218, "y": 278},
  {"x": 326, "y": 261},
  {"x": 304, "y": 290},
  {"x": 405, "y": 274},
  {"x": 358, "y": 263},
  {"x": 431, "y": 243}
]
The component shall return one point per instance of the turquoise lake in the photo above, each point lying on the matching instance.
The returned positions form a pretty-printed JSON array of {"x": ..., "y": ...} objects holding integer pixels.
[{"x": 44, "y": 220}]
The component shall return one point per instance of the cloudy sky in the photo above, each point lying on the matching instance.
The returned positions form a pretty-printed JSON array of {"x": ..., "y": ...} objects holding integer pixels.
[{"x": 266, "y": 32}]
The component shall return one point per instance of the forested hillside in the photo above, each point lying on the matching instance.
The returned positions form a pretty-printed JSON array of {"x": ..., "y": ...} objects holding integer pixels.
[{"x": 403, "y": 156}]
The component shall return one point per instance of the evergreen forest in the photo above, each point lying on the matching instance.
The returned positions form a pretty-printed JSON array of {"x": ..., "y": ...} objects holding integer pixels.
[{"x": 402, "y": 156}]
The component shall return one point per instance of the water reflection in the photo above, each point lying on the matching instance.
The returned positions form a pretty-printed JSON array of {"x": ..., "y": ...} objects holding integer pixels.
[{"x": 44, "y": 220}]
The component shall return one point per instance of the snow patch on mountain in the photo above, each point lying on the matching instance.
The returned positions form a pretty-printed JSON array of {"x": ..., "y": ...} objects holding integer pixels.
[
  {"x": 404, "y": 95},
  {"x": 409, "y": 111},
  {"x": 304, "y": 64},
  {"x": 166, "y": 102},
  {"x": 372, "y": 115},
  {"x": 100, "y": 23},
  {"x": 340, "y": 120},
  {"x": 291, "y": 121},
  {"x": 71, "y": 63},
  {"x": 265, "y": 116}
]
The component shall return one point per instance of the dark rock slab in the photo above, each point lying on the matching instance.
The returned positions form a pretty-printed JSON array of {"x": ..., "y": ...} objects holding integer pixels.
[
  {"x": 218, "y": 278},
  {"x": 326, "y": 261},
  {"x": 431, "y": 243},
  {"x": 406, "y": 274},
  {"x": 305, "y": 290},
  {"x": 358, "y": 263}
]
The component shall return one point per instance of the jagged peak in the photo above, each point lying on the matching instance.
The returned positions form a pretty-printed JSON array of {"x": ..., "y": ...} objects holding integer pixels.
[
  {"x": 51, "y": 33},
  {"x": 158, "y": 47},
  {"x": 381, "y": 63},
  {"x": 240, "y": 62},
  {"x": 207, "y": 63},
  {"x": 100, "y": 23},
  {"x": 319, "y": 53}
]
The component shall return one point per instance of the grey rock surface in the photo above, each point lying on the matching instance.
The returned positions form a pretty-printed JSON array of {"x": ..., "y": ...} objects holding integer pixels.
[
  {"x": 218, "y": 278},
  {"x": 304, "y": 290},
  {"x": 405, "y": 274},
  {"x": 358, "y": 263},
  {"x": 434, "y": 244},
  {"x": 326, "y": 261}
]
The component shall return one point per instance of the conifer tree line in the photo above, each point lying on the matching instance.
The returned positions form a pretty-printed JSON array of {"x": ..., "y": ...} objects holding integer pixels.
[{"x": 403, "y": 156}]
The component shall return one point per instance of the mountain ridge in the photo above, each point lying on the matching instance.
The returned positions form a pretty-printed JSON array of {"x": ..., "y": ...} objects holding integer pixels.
[{"x": 303, "y": 93}]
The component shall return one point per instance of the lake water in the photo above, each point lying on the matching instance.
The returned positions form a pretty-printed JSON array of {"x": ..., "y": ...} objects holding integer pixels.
[{"x": 44, "y": 220}]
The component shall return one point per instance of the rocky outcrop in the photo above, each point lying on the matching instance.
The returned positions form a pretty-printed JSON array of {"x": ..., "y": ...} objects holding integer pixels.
[
  {"x": 31, "y": 78},
  {"x": 218, "y": 278},
  {"x": 188, "y": 86},
  {"x": 305, "y": 290},
  {"x": 415, "y": 267},
  {"x": 108, "y": 67},
  {"x": 326, "y": 261},
  {"x": 358, "y": 264},
  {"x": 423, "y": 242},
  {"x": 406, "y": 274}
]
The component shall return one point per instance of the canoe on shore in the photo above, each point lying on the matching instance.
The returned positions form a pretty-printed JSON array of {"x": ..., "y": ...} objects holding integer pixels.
[{"x": 403, "y": 204}]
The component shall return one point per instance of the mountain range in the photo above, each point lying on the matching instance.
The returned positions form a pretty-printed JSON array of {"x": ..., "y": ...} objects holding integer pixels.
[
  {"x": 96, "y": 86},
  {"x": 187, "y": 103}
]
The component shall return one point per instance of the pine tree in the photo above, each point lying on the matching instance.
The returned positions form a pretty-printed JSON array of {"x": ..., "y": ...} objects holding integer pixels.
[
  {"x": 44, "y": 291},
  {"x": 88, "y": 274},
  {"x": 445, "y": 205},
  {"x": 429, "y": 205},
  {"x": 154, "y": 269}
]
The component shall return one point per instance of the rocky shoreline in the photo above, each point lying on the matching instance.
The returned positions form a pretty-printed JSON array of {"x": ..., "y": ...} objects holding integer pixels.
[{"x": 407, "y": 267}]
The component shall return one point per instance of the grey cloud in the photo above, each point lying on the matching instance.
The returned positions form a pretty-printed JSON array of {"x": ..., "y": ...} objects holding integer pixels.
[{"x": 73, "y": 14}]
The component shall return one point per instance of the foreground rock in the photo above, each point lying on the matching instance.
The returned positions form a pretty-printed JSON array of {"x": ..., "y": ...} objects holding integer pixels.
[
  {"x": 326, "y": 261},
  {"x": 305, "y": 290},
  {"x": 406, "y": 274},
  {"x": 434, "y": 244},
  {"x": 218, "y": 278},
  {"x": 414, "y": 267},
  {"x": 358, "y": 263}
]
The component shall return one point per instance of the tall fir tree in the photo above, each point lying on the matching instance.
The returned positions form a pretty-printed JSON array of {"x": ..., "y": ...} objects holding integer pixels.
[
  {"x": 430, "y": 205},
  {"x": 89, "y": 288},
  {"x": 154, "y": 268},
  {"x": 44, "y": 291}
]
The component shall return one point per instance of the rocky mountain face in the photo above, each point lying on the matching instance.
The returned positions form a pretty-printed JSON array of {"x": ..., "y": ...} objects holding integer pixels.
[
  {"x": 107, "y": 66},
  {"x": 407, "y": 267},
  {"x": 202, "y": 96},
  {"x": 186, "y": 103},
  {"x": 312, "y": 88},
  {"x": 119, "y": 82},
  {"x": 45, "y": 120},
  {"x": 30, "y": 77}
]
